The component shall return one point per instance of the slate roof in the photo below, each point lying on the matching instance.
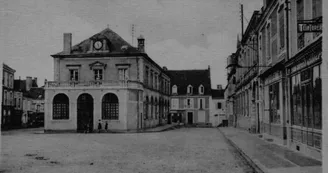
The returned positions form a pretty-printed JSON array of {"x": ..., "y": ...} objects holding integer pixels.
[
  {"x": 115, "y": 43},
  {"x": 195, "y": 78},
  {"x": 217, "y": 94}
]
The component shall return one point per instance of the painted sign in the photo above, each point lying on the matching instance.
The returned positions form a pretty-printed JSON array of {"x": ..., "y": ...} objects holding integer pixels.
[{"x": 314, "y": 25}]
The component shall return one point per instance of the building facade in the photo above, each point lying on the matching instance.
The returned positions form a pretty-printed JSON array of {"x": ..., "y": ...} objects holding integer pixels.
[
  {"x": 217, "y": 107},
  {"x": 103, "y": 80},
  {"x": 286, "y": 89},
  {"x": 191, "y": 96},
  {"x": 7, "y": 104}
]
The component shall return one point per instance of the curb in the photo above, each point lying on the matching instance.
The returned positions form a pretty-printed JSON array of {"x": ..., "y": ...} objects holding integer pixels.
[{"x": 255, "y": 167}]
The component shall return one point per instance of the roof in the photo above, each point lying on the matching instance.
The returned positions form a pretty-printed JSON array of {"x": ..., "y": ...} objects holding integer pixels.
[
  {"x": 217, "y": 94},
  {"x": 115, "y": 43},
  {"x": 183, "y": 78},
  {"x": 35, "y": 93}
]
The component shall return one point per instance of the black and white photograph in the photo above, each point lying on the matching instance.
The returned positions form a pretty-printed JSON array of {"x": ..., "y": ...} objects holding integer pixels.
[{"x": 163, "y": 86}]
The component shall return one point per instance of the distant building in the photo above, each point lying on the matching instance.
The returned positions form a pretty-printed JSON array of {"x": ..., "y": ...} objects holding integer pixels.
[
  {"x": 191, "y": 96},
  {"x": 7, "y": 104},
  {"x": 217, "y": 107},
  {"x": 103, "y": 80},
  {"x": 32, "y": 102}
]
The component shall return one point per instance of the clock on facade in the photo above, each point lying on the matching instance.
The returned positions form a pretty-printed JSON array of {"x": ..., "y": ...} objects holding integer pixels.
[{"x": 98, "y": 45}]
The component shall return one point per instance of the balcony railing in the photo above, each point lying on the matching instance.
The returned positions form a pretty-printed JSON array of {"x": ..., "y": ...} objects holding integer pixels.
[{"x": 94, "y": 84}]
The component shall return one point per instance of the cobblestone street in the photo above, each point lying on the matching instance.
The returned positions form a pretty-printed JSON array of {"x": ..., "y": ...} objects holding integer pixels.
[{"x": 180, "y": 150}]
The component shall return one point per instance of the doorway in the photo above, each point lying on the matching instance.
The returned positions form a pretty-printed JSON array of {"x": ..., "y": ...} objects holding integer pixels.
[
  {"x": 190, "y": 118},
  {"x": 85, "y": 113}
]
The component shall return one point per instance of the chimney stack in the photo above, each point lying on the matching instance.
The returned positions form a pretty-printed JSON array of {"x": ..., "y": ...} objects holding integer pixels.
[
  {"x": 67, "y": 43},
  {"x": 28, "y": 83},
  {"x": 35, "y": 81},
  {"x": 141, "y": 44}
]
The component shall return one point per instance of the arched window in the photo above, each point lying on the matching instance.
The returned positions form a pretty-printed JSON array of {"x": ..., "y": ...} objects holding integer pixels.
[
  {"x": 174, "y": 89},
  {"x": 189, "y": 89},
  {"x": 60, "y": 107},
  {"x": 201, "y": 89},
  {"x": 110, "y": 107}
]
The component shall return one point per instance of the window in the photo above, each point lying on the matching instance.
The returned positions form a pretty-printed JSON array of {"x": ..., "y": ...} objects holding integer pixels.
[
  {"x": 74, "y": 74},
  {"x": 189, "y": 89},
  {"x": 98, "y": 74},
  {"x": 151, "y": 79},
  {"x": 317, "y": 98},
  {"x": 174, "y": 103},
  {"x": 123, "y": 74},
  {"x": 38, "y": 108},
  {"x": 300, "y": 16},
  {"x": 201, "y": 103},
  {"x": 174, "y": 89},
  {"x": 219, "y": 105},
  {"x": 316, "y": 12},
  {"x": 189, "y": 103},
  {"x": 147, "y": 76},
  {"x": 60, "y": 107},
  {"x": 281, "y": 28},
  {"x": 201, "y": 89},
  {"x": 268, "y": 50},
  {"x": 263, "y": 43},
  {"x": 110, "y": 107},
  {"x": 146, "y": 104}
]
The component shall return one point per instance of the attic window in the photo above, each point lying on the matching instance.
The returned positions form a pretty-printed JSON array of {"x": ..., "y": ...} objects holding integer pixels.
[
  {"x": 174, "y": 89},
  {"x": 201, "y": 89},
  {"x": 189, "y": 89}
]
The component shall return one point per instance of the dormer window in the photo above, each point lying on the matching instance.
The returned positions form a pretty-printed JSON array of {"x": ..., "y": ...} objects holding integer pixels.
[
  {"x": 189, "y": 89},
  {"x": 201, "y": 89},
  {"x": 174, "y": 89}
]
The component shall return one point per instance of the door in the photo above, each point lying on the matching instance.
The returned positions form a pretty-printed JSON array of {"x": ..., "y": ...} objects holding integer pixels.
[
  {"x": 190, "y": 118},
  {"x": 169, "y": 117},
  {"x": 84, "y": 112}
]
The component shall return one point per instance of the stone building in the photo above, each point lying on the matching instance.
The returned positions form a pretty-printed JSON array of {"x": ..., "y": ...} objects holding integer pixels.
[
  {"x": 191, "y": 96},
  {"x": 7, "y": 104},
  {"x": 286, "y": 87},
  {"x": 103, "y": 80}
]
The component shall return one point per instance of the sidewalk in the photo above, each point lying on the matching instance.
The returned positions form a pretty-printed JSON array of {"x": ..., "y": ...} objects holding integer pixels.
[{"x": 269, "y": 157}]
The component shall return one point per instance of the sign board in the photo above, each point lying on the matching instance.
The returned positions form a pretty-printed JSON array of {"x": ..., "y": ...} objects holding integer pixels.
[{"x": 314, "y": 25}]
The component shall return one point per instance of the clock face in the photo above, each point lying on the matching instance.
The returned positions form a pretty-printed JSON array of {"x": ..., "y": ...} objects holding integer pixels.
[{"x": 98, "y": 45}]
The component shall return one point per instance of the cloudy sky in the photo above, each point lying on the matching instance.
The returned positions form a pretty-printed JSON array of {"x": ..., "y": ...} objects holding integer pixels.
[{"x": 180, "y": 34}]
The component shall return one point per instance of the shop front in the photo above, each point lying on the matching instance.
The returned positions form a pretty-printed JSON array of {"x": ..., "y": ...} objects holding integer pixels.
[{"x": 304, "y": 74}]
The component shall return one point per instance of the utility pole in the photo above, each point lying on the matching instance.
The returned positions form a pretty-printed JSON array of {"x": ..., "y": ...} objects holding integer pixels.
[{"x": 242, "y": 20}]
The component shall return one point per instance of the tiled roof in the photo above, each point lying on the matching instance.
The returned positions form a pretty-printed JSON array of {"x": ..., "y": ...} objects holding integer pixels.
[
  {"x": 217, "y": 94},
  {"x": 183, "y": 78},
  {"x": 115, "y": 45}
]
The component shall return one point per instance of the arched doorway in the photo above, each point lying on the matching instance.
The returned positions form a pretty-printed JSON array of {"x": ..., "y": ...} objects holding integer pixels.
[{"x": 84, "y": 113}]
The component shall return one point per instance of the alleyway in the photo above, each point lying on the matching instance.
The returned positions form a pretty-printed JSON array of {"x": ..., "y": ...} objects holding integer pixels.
[{"x": 180, "y": 150}]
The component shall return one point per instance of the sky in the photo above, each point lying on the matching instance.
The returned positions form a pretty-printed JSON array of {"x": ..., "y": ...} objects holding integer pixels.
[{"x": 179, "y": 34}]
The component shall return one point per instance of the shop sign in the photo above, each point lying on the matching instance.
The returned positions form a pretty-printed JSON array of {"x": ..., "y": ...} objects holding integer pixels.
[
  {"x": 303, "y": 63},
  {"x": 314, "y": 25}
]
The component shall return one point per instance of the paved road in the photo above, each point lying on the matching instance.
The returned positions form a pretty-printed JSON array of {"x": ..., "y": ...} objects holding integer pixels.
[{"x": 181, "y": 150}]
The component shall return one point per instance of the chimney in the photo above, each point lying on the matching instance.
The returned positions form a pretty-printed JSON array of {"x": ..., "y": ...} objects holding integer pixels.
[
  {"x": 164, "y": 68},
  {"x": 219, "y": 87},
  {"x": 141, "y": 44},
  {"x": 28, "y": 83},
  {"x": 67, "y": 43},
  {"x": 35, "y": 80}
]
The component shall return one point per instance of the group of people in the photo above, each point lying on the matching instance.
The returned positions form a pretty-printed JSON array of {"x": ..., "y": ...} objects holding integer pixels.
[{"x": 88, "y": 129}]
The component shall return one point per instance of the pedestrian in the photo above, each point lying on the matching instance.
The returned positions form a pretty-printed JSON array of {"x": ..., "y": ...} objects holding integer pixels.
[
  {"x": 106, "y": 126},
  {"x": 99, "y": 126}
]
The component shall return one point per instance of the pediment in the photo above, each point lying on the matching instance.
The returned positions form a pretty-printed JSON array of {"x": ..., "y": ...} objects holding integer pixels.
[{"x": 97, "y": 64}]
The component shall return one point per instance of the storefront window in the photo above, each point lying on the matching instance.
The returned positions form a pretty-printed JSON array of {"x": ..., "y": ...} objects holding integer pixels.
[
  {"x": 317, "y": 97},
  {"x": 274, "y": 103}
]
